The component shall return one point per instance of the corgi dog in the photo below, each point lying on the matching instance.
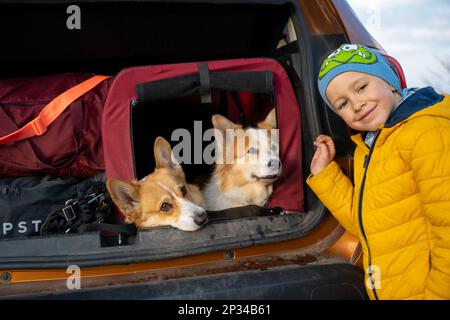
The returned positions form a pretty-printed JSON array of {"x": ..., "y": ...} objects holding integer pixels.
[
  {"x": 255, "y": 164},
  {"x": 163, "y": 198}
]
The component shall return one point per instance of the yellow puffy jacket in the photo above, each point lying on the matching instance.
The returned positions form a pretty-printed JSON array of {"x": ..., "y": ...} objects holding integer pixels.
[{"x": 399, "y": 204}]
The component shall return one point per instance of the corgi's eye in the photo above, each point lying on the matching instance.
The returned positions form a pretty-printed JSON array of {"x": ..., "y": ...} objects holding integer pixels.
[
  {"x": 183, "y": 191},
  {"x": 252, "y": 150},
  {"x": 166, "y": 206}
]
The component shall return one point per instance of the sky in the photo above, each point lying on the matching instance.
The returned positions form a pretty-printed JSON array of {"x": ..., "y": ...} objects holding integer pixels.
[{"x": 415, "y": 32}]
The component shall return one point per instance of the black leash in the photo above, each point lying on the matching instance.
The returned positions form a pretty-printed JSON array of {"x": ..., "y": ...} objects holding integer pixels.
[
  {"x": 243, "y": 212},
  {"x": 119, "y": 227},
  {"x": 92, "y": 212}
]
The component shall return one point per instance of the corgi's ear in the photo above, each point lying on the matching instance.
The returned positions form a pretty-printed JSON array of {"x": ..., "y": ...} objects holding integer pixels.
[
  {"x": 222, "y": 123},
  {"x": 163, "y": 155},
  {"x": 126, "y": 197},
  {"x": 270, "y": 122}
]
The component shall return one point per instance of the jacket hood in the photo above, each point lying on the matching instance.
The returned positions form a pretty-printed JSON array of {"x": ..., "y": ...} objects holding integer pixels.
[{"x": 424, "y": 101}]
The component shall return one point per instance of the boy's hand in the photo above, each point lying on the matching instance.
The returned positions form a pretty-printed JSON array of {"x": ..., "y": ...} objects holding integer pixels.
[{"x": 324, "y": 154}]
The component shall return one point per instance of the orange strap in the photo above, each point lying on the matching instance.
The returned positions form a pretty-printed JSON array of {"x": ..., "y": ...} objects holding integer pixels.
[{"x": 38, "y": 126}]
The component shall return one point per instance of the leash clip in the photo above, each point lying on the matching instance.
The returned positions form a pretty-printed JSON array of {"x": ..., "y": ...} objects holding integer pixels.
[{"x": 68, "y": 211}]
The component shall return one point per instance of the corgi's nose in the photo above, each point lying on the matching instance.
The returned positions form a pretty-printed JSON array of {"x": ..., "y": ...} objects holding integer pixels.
[
  {"x": 200, "y": 218},
  {"x": 274, "y": 164}
]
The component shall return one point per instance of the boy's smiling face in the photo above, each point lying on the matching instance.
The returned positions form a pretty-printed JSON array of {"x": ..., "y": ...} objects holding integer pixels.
[{"x": 364, "y": 101}]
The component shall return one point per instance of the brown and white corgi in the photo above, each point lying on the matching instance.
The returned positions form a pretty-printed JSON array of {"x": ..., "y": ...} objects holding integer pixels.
[
  {"x": 255, "y": 164},
  {"x": 161, "y": 198}
]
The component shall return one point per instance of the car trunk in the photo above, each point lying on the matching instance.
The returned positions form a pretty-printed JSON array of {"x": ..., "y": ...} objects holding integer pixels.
[{"x": 118, "y": 35}]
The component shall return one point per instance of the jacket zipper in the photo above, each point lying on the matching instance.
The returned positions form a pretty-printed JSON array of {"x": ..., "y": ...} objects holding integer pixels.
[{"x": 361, "y": 193}]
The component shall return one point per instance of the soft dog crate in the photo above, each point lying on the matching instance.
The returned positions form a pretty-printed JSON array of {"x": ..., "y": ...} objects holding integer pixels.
[{"x": 146, "y": 102}]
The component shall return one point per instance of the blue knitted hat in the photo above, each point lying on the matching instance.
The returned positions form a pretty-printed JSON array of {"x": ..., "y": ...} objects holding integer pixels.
[{"x": 354, "y": 57}]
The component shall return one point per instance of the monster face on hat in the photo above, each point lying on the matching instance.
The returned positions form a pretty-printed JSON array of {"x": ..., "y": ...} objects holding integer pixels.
[{"x": 354, "y": 57}]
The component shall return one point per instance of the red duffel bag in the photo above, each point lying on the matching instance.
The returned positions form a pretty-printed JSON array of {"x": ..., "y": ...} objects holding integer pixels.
[{"x": 52, "y": 125}]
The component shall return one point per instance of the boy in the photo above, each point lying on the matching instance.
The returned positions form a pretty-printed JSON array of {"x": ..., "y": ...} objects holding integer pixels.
[{"x": 399, "y": 204}]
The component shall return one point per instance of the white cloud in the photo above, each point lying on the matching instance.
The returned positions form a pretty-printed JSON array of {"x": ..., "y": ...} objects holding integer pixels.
[
  {"x": 440, "y": 23},
  {"x": 414, "y": 36},
  {"x": 382, "y": 4},
  {"x": 415, "y": 32},
  {"x": 430, "y": 33}
]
